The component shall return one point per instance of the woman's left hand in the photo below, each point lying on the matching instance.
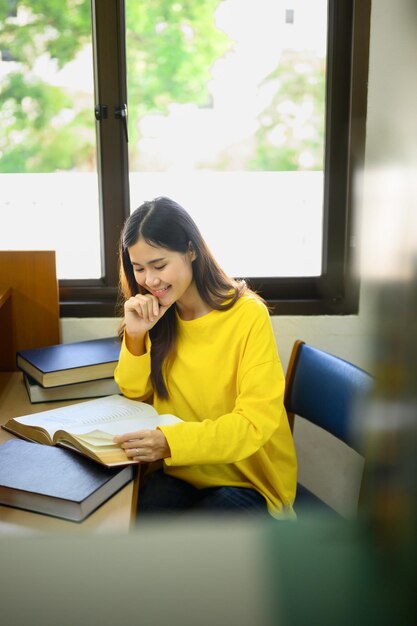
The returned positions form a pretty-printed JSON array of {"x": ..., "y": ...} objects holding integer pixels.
[{"x": 144, "y": 446}]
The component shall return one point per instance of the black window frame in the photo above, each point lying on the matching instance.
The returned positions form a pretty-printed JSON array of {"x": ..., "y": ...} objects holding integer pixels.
[{"x": 336, "y": 291}]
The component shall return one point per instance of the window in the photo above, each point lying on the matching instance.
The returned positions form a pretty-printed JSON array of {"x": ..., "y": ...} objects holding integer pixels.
[
  {"x": 227, "y": 115},
  {"x": 326, "y": 157},
  {"x": 47, "y": 142},
  {"x": 63, "y": 172}
]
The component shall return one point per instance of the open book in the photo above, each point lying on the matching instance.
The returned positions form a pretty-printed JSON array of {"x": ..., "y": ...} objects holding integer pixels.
[{"x": 89, "y": 427}]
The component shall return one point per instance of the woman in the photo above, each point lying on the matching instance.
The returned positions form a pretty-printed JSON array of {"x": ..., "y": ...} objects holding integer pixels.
[{"x": 200, "y": 345}]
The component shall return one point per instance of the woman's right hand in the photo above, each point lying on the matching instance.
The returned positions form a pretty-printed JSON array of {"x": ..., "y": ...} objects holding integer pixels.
[{"x": 142, "y": 312}]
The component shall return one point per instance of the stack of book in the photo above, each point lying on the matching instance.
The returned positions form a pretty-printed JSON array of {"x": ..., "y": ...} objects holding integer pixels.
[
  {"x": 79, "y": 466},
  {"x": 70, "y": 371}
]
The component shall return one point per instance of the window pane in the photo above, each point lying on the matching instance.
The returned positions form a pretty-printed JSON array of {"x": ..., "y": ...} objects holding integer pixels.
[
  {"x": 226, "y": 116},
  {"x": 48, "y": 180}
]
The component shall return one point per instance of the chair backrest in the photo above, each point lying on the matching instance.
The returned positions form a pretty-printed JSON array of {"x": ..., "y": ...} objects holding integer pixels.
[
  {"x": 323, "y": 389},
  {"x": 324, "y": 392}
]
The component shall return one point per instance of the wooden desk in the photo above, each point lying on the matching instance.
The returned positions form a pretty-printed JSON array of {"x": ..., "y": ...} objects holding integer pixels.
[{"x": 112, "y": 517}]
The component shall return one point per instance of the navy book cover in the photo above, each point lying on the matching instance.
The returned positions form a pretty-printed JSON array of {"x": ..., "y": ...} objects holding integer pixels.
[
  {"x": 55, "y": 481},
  {"x": 72, "y": 355}
]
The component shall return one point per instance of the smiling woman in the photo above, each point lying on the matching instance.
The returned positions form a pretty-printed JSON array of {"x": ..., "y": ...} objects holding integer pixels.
[
  {"x": 199, "y": 344},
  {"x": 167, "y": 277},
  {"x": 165, "y": 260}
]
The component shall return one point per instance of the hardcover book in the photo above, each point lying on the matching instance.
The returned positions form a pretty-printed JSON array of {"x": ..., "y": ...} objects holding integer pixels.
[
  {"x": 89, "y": 427},
  {"x": 75, "y": 391},
  {"x": 54, "y": 481},
  {"x": 68, "y": 363}
]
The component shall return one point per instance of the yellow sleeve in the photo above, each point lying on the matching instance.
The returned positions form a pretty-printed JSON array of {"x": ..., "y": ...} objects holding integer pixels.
[
  {"x": 133, "y": 373},
  {"x": 256, "y": 414}
]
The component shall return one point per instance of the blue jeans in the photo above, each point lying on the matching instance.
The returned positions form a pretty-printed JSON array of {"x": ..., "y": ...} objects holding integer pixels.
[{"x": 164, "y": 494}]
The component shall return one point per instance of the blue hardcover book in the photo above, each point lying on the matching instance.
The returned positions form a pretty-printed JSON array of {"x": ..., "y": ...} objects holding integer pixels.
[
  {"x": 55, "y": 481},
  {"x": 68, "y": 363}
]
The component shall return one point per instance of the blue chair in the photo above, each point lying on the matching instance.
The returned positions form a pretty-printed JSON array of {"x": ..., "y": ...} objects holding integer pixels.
[{"x": 324, "y": 398}]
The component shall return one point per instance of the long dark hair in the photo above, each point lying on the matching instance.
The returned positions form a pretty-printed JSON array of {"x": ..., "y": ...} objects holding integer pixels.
[{"x": 162, "y": 222}]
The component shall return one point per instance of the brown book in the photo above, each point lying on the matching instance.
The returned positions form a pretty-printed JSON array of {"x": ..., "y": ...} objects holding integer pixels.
[{"x": 89, "y": 427}]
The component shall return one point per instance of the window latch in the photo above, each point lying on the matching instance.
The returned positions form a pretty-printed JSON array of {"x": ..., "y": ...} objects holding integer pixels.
[
  {"x": 120, "y": 113},
  {"x": 100, "y": 112}
]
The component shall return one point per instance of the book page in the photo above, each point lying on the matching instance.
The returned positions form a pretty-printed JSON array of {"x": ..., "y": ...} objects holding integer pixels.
[
  {"x": 101, "y": 411},
  {"x": 103, "y": 436}
]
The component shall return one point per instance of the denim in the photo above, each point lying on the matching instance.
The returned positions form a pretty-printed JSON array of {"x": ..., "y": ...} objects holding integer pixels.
[{"x": 164, "y": 494}]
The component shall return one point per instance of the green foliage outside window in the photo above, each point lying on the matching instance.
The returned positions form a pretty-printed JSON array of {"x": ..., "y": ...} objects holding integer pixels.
[
  {"x": 171, "y": 48},
  {"x": 35, "y": 136},
  {"x": 291, "y": 128}
]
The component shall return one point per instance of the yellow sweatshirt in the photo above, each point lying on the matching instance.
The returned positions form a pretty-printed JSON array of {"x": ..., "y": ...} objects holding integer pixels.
[{"x": 227, "y": 384}]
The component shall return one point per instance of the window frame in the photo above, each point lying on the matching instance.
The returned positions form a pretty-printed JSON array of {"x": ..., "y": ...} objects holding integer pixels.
[
  {"x": 336, "y": 291},
  {"x": 98, "y": 297}
]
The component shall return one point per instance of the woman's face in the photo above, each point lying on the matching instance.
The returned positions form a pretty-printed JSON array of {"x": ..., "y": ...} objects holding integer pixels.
[{"x": 166, "y": 274}]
